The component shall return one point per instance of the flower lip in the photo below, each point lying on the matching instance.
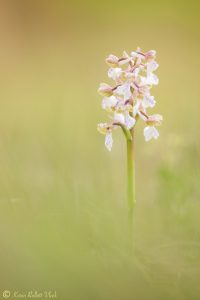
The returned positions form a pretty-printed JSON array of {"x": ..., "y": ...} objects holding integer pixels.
[
  {"x": 150, "y": 132},
  {"x": 109, "y": 141}
]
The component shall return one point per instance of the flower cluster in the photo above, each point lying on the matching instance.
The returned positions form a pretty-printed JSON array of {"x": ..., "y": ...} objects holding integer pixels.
[{"x": 130, "y": 96}]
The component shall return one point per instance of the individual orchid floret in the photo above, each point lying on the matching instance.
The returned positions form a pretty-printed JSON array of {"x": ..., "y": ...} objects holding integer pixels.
[
  {"x": 106, "y": 129},
  {"x": 148, "y": 56},
  {"x": 150, "y": 131},
  {"x": 129, "y": 97}
]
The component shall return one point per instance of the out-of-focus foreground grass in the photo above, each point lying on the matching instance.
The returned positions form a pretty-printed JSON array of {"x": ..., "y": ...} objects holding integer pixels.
[{"x": 63, "y": 208}]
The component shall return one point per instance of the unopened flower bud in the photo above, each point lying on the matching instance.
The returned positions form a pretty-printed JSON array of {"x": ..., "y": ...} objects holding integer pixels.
[
  {"x": 150, "y": 55},
  {"x": 112, "y": 60},
  {"x": 105, "y": 89},
  {"x": 154, "y": 120}
]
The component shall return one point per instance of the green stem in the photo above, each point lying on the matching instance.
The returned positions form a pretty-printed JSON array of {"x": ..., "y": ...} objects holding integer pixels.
[{"x": 131, "y": 178}]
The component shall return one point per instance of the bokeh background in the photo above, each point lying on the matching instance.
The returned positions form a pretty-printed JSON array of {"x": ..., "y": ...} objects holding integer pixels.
[{"x": 63, "y": 214}]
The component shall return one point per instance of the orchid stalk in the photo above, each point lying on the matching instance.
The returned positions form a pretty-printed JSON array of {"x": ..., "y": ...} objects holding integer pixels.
[{"x": 127, "y": 101}]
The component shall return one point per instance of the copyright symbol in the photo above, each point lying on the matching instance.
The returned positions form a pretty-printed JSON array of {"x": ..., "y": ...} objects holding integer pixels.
[{"x": 6, "y": 294}]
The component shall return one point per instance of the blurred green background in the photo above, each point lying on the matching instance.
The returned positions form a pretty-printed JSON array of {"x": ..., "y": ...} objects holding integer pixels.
[{"x": 63, "y": 214}]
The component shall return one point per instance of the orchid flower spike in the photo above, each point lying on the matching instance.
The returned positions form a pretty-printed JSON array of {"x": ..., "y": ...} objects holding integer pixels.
[{"x": 129, "y": 98}]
